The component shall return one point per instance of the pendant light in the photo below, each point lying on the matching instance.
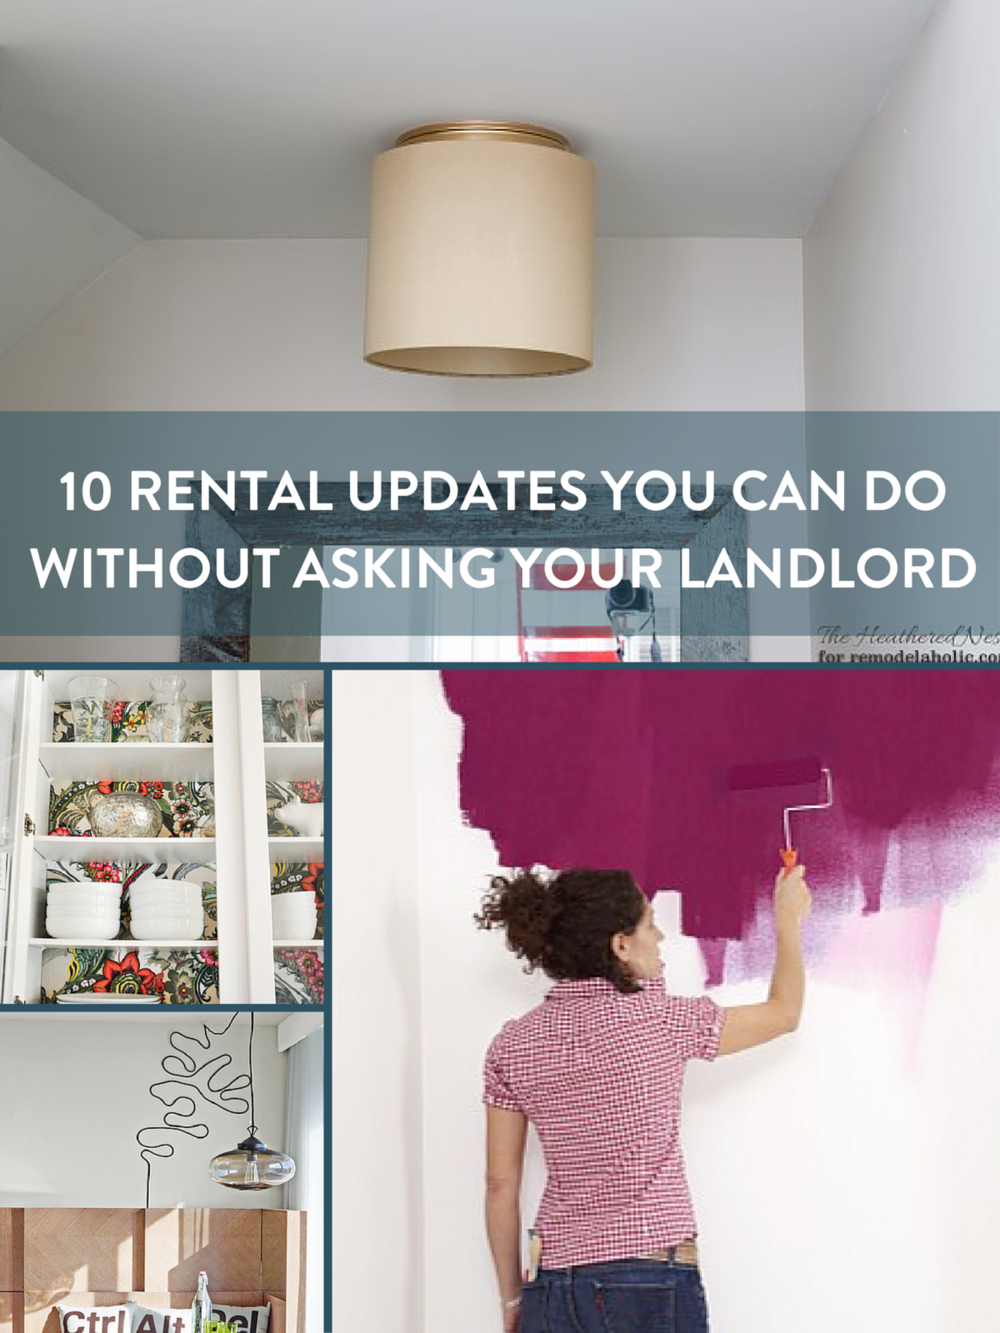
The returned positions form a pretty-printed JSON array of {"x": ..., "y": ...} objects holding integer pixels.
[
  {"x": 481, "y": 252},
  {"x": 251, "y": 1165}
]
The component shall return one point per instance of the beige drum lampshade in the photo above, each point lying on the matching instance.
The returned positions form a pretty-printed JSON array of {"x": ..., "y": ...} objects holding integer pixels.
[{"x": 481, "y": 253}]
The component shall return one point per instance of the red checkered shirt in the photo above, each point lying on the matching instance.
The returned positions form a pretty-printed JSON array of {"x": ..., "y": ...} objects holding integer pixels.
[{"x": 599, "y": 1075}]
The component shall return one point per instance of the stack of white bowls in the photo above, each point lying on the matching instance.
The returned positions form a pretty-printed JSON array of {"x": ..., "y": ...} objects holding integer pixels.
[
  {"x": 83, "y": 911},
  {"x": 166, "y": 909},
  {"x": 293, "y": 916}
]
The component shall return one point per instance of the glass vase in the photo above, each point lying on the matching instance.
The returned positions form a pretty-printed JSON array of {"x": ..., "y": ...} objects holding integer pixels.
[
  {"x": 270, "y": 720},
  {"x": 167, "y": 716},
  {"x": 92, "y": 698}
]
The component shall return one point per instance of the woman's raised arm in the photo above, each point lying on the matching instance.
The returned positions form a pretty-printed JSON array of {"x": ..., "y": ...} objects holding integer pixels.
[{"x": 752, "y": 1024}]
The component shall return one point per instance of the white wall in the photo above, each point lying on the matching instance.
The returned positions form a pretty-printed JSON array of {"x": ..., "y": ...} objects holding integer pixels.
[
  {"x": 685, "y": 325},
  {"x": 259, "y": 326},
  {"x": 902, "y": 267},
  {"x": 378, "y": 1229},
  {"x": 54, "y": 242},
  {"x": 828, "y": 1169},
  {"x": 76, "y": 1091},
  {"x": 8, "y": 701}
]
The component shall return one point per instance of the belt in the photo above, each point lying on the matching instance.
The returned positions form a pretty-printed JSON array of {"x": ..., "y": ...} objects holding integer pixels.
[{"x": 685, "y": 1253}]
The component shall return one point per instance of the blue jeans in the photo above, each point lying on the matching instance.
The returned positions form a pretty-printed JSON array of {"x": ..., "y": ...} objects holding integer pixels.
[{"x": 627, "y": 1296}]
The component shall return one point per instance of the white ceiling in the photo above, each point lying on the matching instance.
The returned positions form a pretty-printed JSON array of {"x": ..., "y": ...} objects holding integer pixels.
[{"x": 252, "y": 118}]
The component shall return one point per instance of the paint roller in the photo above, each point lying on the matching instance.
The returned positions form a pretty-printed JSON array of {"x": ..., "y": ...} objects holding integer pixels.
[{"x": 792, "y": 773}]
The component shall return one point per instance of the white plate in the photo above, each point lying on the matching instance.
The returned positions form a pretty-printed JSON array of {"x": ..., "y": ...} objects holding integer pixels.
[{"x": 104, "y": 998}]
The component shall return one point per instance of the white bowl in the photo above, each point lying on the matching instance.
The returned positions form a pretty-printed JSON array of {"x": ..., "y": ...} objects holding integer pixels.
[
  {"x": 164, "y": 886},
  {"x": 167, "y": 928},
  {"x": 83, "y": 909},
  {"x": 86, "y": 886},
  {"x": 295, "y": 916},
  {"x": 86, "y": 902},
  {"x": 300, "y": 898},
  {"x": 101, "y": 890},
  {"x": 182, "y": 898},
  {"x": 182, "y": 918},
  {"x": 289, "y": 930},
  {"x": 83, "y": 913},
  {"x": 82, "y": 928},
  {"x": 151, "y": 881}
]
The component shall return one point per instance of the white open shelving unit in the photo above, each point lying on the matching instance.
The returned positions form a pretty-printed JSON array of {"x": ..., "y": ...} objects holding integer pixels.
[{"x": 237, "y": 761}]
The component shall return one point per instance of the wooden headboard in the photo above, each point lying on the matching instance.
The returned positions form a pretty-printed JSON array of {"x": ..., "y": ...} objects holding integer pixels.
[{"x": 105, "y": 1256}]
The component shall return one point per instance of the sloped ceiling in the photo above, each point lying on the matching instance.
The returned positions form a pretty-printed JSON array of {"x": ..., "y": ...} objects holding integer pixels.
[{"x": 53, "y": 242}]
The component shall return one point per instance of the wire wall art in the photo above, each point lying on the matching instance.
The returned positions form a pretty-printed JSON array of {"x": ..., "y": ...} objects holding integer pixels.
[{"x": 191, "y": 1082}]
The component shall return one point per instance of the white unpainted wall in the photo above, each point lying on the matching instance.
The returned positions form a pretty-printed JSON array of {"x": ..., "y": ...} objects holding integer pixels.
[
  {"x": 275, "y": 326},
  {"x": 902, "y": 266},
  {"x": 828, "y": 1169},
  {"x": 76, "y": 1091}
]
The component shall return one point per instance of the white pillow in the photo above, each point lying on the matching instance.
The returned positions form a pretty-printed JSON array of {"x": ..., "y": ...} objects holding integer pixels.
[
  {"x": 145, "y": 1320},
  {"x": 106, "y": 1318},
  {"x": 247, "y": 1318}
]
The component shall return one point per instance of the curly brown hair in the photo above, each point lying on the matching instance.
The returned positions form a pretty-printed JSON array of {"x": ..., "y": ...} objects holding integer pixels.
[{"x": 565, "y": 924}]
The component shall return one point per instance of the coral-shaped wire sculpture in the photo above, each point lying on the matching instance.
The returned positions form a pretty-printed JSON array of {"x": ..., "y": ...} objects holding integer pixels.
[{"x": 190, "y": 1078}]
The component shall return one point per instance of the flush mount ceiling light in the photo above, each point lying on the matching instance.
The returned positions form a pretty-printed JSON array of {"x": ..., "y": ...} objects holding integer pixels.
[{"x": 480, "y": 252}]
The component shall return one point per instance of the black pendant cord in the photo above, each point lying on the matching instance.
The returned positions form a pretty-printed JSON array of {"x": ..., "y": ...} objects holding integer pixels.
[
  {"x": 183, "y": 1069},
  {"x": 253, "y": 1120}
]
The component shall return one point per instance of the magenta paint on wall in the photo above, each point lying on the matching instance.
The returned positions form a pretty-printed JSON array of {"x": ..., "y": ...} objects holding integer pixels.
[{"x": 629, "y": 768}]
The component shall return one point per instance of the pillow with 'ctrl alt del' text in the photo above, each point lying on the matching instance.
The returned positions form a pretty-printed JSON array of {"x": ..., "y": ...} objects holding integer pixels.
[
  {"x": 98, "y": 1319},
  {"x": 145, "y": 1320},
  {"x": 245, "y": 1318}
]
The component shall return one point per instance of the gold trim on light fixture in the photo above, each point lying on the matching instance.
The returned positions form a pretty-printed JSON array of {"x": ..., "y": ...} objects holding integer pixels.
[
  {"x": 511, "y": 131},
  {"x": 480, "y": 253}
]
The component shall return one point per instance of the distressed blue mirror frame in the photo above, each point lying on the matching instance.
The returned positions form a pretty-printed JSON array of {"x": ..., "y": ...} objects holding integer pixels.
[{"x": 714, "y": 624}]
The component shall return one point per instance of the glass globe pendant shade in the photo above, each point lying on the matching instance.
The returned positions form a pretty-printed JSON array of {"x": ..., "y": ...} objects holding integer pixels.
[{"x": 251, "y": 1166}]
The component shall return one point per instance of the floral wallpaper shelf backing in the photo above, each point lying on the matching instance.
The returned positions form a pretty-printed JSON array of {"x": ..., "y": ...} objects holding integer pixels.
[
  {"x": 179, "y": 976},
  {"x": 188, "y": 808},
  {"x": 128, "y": 722},
  {"x": 300, "y": 877},
  {"x": 216, "y": 814},
  {"x": 298, "y": 973},
  {"x": 298, "y": 976},
  {"x": 280, "y": 794}
]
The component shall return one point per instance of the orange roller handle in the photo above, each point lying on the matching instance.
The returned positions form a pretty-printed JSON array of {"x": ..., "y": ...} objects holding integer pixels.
[{"x": 789, "y": 857}]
